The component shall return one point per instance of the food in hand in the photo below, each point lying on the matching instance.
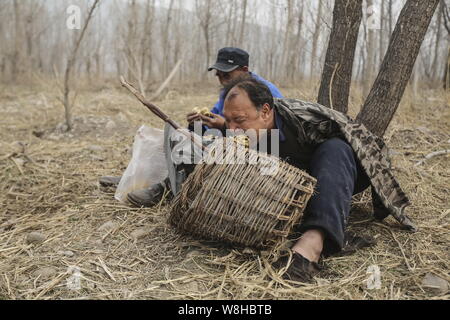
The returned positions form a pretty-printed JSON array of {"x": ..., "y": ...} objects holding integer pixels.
[
  {"x": 243, "y": 140},
  {"x": 204, "y": 111}
]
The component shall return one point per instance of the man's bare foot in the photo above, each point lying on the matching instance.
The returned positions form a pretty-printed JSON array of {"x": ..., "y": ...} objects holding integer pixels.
[{"x": 310, "y": 245}]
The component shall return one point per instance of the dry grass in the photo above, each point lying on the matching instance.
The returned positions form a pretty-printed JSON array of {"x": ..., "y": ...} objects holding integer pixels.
[{"x": 49, "y": 184}]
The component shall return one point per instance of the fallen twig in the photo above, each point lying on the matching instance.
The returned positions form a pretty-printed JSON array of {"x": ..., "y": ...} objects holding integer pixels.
[
  {"x": 167, "y": 81},
  {"x": 432, "y": 155}
]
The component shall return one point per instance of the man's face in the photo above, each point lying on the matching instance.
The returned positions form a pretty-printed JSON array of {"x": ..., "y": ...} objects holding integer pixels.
[
  {"x": 240, "y": 113},
  {"x": 226, "y": 77}
]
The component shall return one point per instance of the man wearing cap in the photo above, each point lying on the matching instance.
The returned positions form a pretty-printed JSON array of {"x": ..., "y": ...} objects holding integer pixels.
[{"x": 232, "y": 63}]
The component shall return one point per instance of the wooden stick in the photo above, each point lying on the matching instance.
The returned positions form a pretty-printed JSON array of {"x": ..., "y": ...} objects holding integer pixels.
[
  {"x": 167, "y": 81},
  {"x": 157, "y": 111},
  {"x": 149, "y": 105},
  {"x": 432, "y": 155}
]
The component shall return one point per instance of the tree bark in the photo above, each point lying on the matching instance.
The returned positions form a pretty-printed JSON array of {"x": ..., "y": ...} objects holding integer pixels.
[
  {"x": 447, "y": 72},
  {"x": 446, "y": 15},
  {"x": 395, "y": 71},
  {"x": 337, "y": 72}
]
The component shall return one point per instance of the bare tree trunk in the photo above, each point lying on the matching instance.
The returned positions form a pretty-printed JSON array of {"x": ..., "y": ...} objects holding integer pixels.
[
  {"x": 287, "y": 42},
  {"x": 315, "y": 40},
  {"x": 415, "y": 81},
  {"x": 337, "y": 71},
  {"x": 447, "y": 72},
  {"x": 17, "y": 35},
  {"x": 397, "y": 65},
  {"x": 244, "y": 14},
  {"x": 70, "y": 64},
  {"x": 204, "y": 13},
  {"x": 294, "y": 59},
  {"x": 370, "y": 54},
  {"x": 361, "y": 65},
  {"x": 446, "y": 14},
  {"x": 166, "y": 43},
  {"x": 435, "y": 64},
  {"x": 381, "y": 34},
  {"x": 229, "y": 22},
  {"x": 147, "y": 57},
  {"x": 390, "y": 17}
]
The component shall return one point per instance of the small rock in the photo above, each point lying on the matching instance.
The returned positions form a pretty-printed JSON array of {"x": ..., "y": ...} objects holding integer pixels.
[
  {"x": 36, "y": 237},
  {"x": 96, "y": 158},
  {"x": 45, "y": 272},
  {"x": 38, "y": 134},
  {"x": 19, "y": 161},
  {"x": 110, "y": 125},
  {"x": 249, "y": 251},
  {"x": 67, "y": 253},
  {"x": 107, "y": 226},
  {"x": 9, "y": 224},
  {"x": 140, "y": 233},
  {"x": 193, "y": 253},
  {"x": 95, "y": 148},
  {"x": 322, "y": 282},
  {"x": 18, "y": 147},
  {"x": 62, "y": 127},
  {"x": 435, "y": 284}
]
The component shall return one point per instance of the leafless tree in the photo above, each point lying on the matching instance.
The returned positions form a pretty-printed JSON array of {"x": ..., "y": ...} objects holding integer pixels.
[
  {"x": 337, "y": 72},
  {"x": 446, "y": 15},
  {"x": 70, "y": 64},
  {"x": 404, "y": 46},
  {"x": 315, "y": 39},
  {"x": 145, "y": 39}
]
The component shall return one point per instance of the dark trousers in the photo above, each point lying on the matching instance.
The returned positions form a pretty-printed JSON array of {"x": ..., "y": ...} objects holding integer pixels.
[{"x": 339, "y": 176}]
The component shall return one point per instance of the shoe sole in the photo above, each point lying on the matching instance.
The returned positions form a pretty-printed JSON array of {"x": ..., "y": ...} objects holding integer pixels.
[
  {"x": 108, "y": 185},
  {"x": 139, "y": 204}
]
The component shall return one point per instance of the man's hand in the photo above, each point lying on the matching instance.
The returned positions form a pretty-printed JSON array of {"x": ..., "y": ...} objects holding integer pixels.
[
  {"x": 213, "y": 122},
  {"x": 193, "y": 116}
]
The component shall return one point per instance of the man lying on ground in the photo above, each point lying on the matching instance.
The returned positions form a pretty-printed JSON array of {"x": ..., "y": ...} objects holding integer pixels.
[{"x": 341, "y": 154}]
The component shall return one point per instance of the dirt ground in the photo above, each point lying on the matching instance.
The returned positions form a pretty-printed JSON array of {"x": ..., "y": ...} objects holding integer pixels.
[{"x": 96, "y": 248}]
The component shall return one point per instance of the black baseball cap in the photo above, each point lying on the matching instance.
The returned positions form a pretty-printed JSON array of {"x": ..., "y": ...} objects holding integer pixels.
[{"x": 229, "y": 59}]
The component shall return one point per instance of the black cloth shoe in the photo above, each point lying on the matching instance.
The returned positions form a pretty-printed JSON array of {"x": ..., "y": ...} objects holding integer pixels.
[
  {"x": 300, "y": 269},
  {"x": 148, "y": 197},
  {"x": 353, "y": 243},
  {"x": 109, "y": 181}
]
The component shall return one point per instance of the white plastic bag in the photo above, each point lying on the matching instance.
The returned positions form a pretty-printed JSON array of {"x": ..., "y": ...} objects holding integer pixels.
[{"x": 148, "y": 163}]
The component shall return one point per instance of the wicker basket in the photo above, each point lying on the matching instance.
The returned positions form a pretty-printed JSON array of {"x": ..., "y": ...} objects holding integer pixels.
[{"x": 236, "y": 203}]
